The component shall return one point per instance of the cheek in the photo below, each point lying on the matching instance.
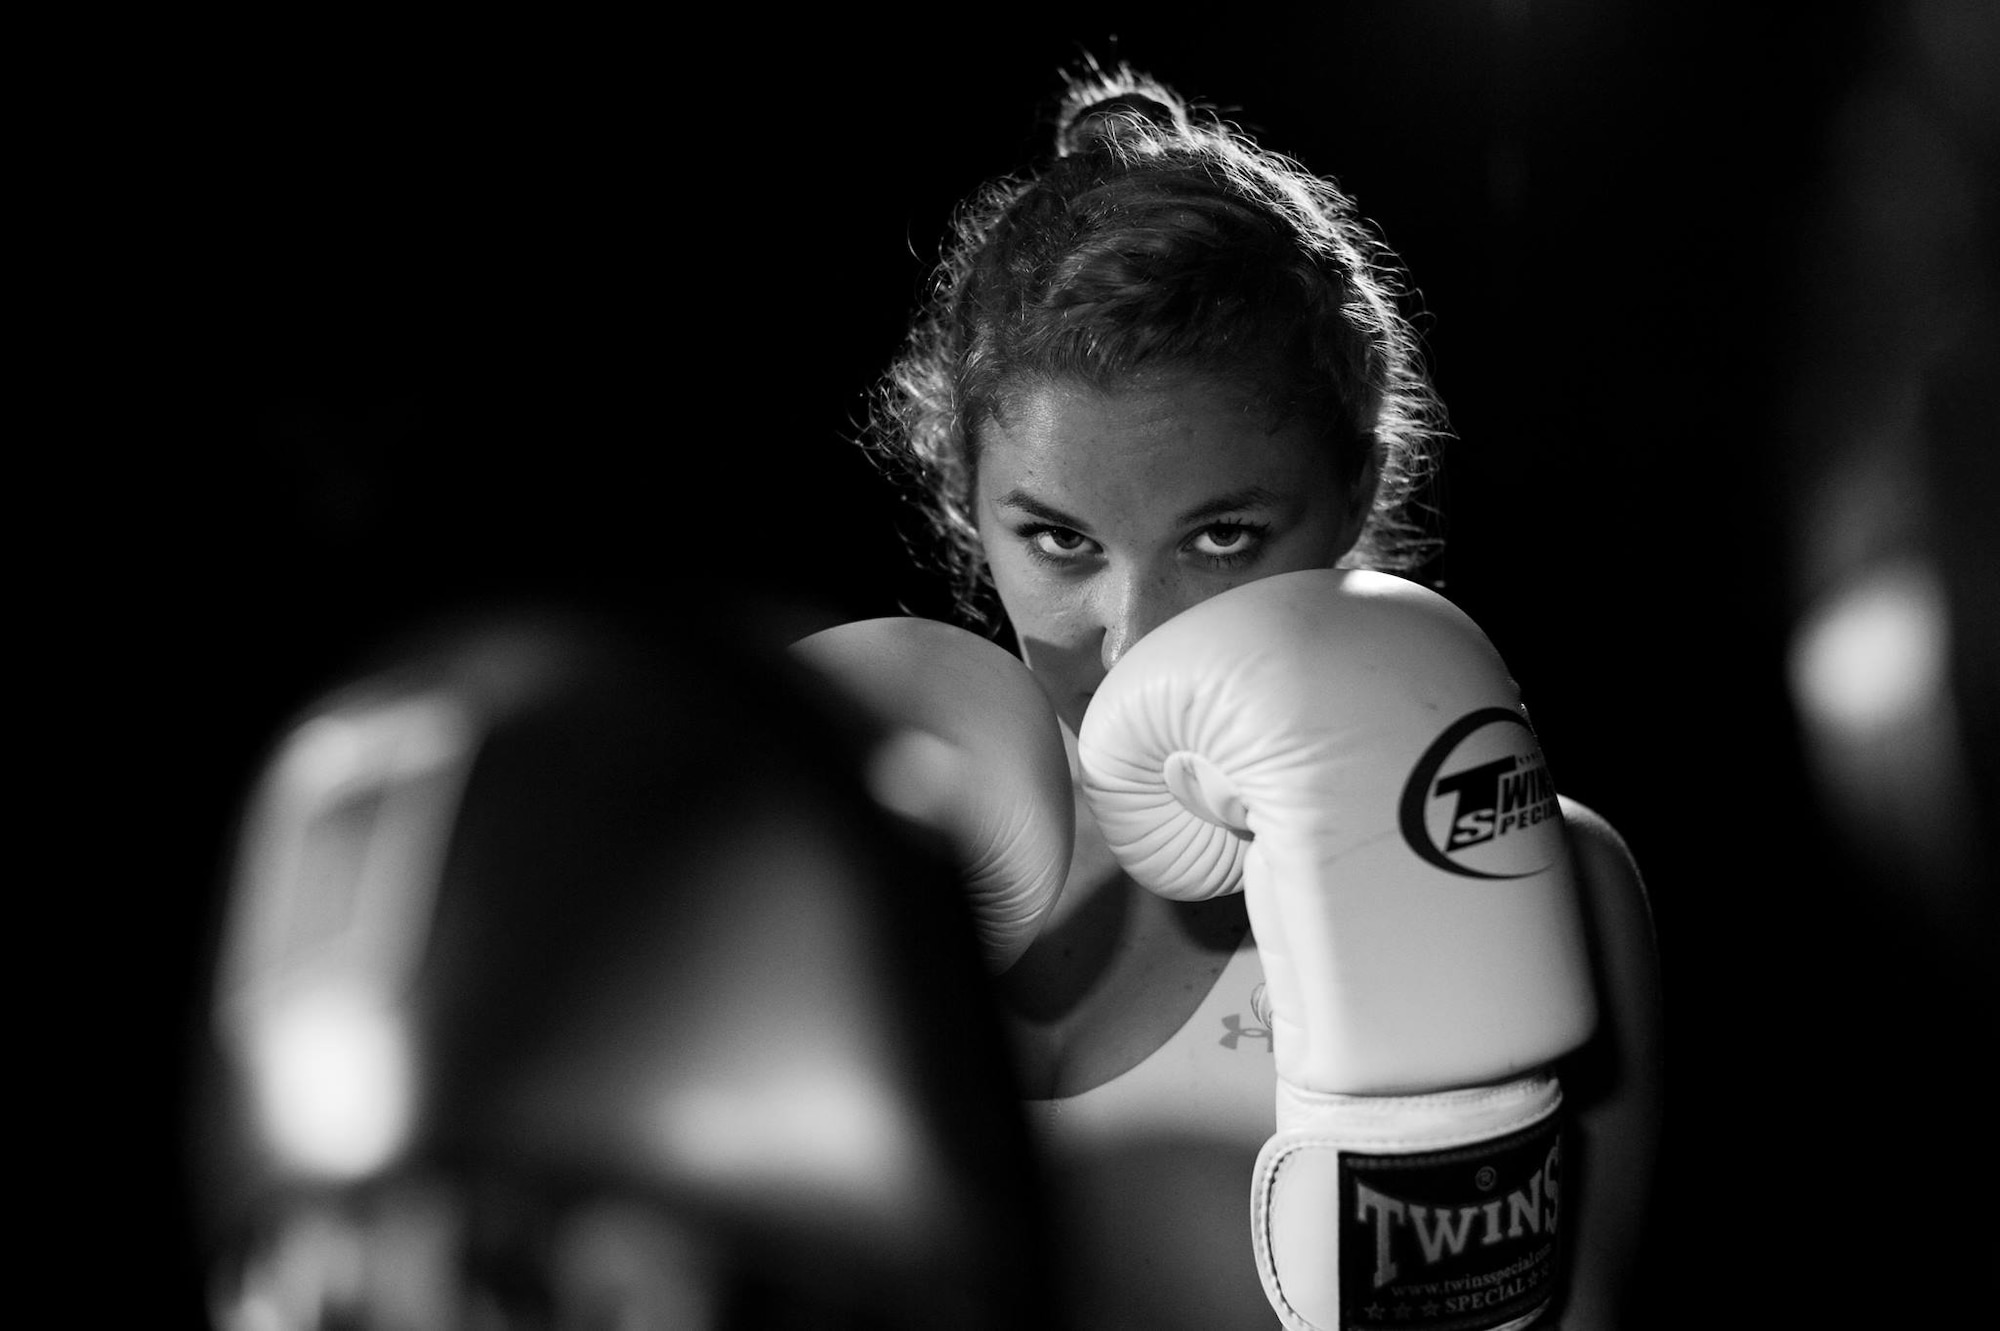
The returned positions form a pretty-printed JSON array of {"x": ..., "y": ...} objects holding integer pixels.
[
  {"x": 1322, "y": 547},
  {"x": 1018, "y": 580},
  {"x": 1321, "y": 540},
  {"x": 1051, "y": 622},
  {"x": 1034, "y": 604}
]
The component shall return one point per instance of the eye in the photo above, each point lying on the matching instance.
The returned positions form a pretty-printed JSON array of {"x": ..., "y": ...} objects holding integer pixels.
[
  {"x": 1056, "y": 545},
  {"x": 1228, "y": 543}
]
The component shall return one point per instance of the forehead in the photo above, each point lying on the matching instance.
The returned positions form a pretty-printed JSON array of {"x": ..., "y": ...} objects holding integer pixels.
[{"x": 1159, "y": 442}]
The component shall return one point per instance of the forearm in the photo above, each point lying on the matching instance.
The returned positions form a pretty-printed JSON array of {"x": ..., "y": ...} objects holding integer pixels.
[{"x": 1615, "y": 1084}]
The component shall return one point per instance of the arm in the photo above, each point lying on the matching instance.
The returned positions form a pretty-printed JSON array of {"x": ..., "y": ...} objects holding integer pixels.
[
  {"x": 1349, "y": 751},
  {"x": 1615, "y": 1083}
]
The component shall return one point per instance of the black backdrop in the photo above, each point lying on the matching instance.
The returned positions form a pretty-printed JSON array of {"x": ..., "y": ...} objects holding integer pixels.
[{"x": 426, "y": 313}]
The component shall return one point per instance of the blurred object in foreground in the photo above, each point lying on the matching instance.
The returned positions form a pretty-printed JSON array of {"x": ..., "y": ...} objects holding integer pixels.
[
  {"x": 1886, "y": 930},
  {"x": 1871, "y": 676},
  {"x": 1893, "y": 476},
  {"x": 569, "y": 980}
]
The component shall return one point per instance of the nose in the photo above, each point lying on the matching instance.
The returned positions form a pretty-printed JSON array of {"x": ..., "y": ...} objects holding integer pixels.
[{"x": 1133, "y": 607}]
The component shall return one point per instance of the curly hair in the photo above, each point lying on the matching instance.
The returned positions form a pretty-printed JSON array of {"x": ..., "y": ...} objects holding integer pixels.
[{"x": 1159, "y": 237}]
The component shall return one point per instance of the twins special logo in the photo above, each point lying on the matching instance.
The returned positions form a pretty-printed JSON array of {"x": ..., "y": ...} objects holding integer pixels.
[{"x": 1480, "y": 803}]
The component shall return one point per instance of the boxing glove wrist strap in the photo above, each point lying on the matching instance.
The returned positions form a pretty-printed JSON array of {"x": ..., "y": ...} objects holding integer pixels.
[{"x": 1435, "y": 1211}]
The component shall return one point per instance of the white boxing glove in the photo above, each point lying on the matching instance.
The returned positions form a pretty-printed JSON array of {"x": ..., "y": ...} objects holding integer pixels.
[
  {"x": 971, "y": 748},
  {"x": 1347, "y": 749}
]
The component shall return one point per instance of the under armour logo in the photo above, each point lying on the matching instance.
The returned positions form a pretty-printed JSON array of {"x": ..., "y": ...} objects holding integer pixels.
[{"x": 1235, "y": 1030}]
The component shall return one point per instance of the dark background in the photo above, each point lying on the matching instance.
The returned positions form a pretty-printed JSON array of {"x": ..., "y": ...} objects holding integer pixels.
[{"x": 418, "y": 313}]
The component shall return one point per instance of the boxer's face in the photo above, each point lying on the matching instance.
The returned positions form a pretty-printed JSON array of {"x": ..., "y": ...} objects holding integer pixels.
[{"x": 1103, "y": 514}]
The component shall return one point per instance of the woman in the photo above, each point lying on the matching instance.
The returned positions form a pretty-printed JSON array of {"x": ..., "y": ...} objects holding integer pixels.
[{"x": 1166, "y": 363}]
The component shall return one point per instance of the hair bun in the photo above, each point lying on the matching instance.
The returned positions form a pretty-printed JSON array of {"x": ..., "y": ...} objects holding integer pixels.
[{"x": 1099, "y": 108}]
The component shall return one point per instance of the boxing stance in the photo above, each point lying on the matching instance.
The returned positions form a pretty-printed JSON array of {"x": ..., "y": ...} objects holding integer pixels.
[
  {"x": 1158, "y": 368},
  {"x": 1347, "y": 750}
]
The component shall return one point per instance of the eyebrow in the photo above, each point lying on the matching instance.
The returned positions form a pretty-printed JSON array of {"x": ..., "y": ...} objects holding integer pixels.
[
  {"x": 1254, "y": 496},
  {"x": 1035, "y": 508}
]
